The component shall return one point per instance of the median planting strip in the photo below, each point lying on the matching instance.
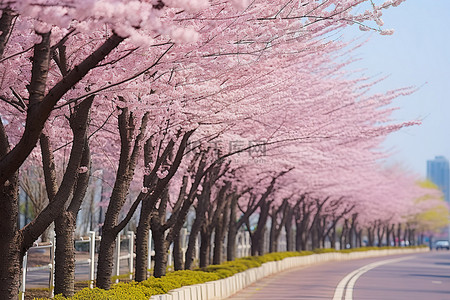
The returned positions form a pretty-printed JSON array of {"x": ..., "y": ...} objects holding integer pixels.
[{"x": 221, "y": 281}]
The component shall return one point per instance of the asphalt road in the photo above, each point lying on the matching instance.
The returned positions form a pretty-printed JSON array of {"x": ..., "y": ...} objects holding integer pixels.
[{"x": 418, "y": 276}]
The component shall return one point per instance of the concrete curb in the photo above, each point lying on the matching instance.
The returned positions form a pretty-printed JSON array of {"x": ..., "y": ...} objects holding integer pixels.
[{"x": 224, "y": 288}]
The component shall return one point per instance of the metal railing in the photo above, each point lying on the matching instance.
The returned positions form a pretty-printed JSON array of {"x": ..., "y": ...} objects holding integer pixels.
[
  {"x": 242, "y": 240},
  {"x": 49, "y": 266}
]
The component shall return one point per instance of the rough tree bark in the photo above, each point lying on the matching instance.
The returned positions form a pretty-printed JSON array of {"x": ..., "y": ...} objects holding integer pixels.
[
  {"x": 6, "y": 22},
  {"x": 177, "y": 254},
  {"x": 65, "y": 230},
  {"x": 257, "y": 235},
  {"x": 11, "y": 252},
  {"x": 371, "y": 236},
  {"x": 235, "y": 224},
  {"x": 149, "y": 217},
  {"x": 331, "y": 215},
  {"x": 275, "y": 228},
  {"x": 16, "y": 242},
  {"x": 202, "y": 223},
  {"x": 389, "y": 233},
  {"x": 205, "y": 247},
  {"x": 195, "y": 229},
  {"x": 129, "y": 155},
  {"x": 380, "y": 233},
  {"x": 302, "y": 213},
  {"x": 232, "y": 229},
  {"x": 41, "y": 104},
  {"x": 221, "y": 224},
  {"x": 13, "y": 248},
  {"x": 65, "y": 223},
  {"x": 288, "y": 227},
  {"x": 24, "y": 238},
  {"x": 212, "y": 215}
]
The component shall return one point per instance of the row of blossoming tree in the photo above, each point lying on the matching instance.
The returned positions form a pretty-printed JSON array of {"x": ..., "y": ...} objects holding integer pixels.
[{"x": 238, "y": 111}]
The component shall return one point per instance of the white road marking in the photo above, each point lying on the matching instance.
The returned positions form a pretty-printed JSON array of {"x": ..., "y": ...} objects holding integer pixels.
[{"x": 345, "y": 286}]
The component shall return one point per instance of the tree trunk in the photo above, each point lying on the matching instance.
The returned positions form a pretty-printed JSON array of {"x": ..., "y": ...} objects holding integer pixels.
[
  {"x": 131, "y": 146},
  {"x": 405, "y": 234},
  {"x": 142, "y": 235},
  {"x": 177, "y": 253},
  {"x": 288, "y": 228},
  {"x": 333, "y": 237},
  {"x": 352, "y": 234},
  {"x": 106, "y": 259},
  {"x": 16, "y": 243},
  {"x": 389, "y": 230},
  {"x": 205, "y": 246},
  {"x": 196, "y": 228},
  {"x": 190, "y": 253},
  {"x": 65, "y": 255},
  {"x": 6, "y": 26},
  {"x": 273, "y": 243},
  {"x": 412, "y": 237},
  {"x": 10, "y": 247},
  {"x": 221, "y": 230},
  {"x": 394, "y": 236},
  {"x": 65, "y": 229},
  {"x": 10, "y": 266},
  {"x": 218, "y": 242},
  {"x": 300, "y": 237},
  {"x": 275, "y": 228},
  {"x": 421, "y": 238},
  {"x": 314, "y": 233},
  {"x": 324, "y": 236},
  {"x": 380, "y": 235},
  {"x": 359, "y": 238},
  {"x": 161, "y": 255},
  {"x": 41, "y": 104},
  {"x": 344, "y": 235},
  {"x": 258, "y": 236},
  {"x": 231, "y": 242},
  {"x": 232, "y": 230},
  {"x": 371, "y": 236}
]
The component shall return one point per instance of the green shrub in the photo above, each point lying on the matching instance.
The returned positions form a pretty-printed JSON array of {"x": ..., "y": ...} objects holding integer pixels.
[{"x": 324, "y": 250}]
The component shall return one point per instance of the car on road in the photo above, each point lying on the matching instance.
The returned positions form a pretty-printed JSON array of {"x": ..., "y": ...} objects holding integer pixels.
[{"x": 442, "y": 245}]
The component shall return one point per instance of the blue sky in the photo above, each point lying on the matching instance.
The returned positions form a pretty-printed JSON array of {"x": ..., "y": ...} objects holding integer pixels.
[{"x": 418, "y": 54}]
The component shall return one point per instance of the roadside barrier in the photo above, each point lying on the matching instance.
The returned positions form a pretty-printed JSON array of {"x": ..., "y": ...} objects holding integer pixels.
[{"x": 224, "y": 288}]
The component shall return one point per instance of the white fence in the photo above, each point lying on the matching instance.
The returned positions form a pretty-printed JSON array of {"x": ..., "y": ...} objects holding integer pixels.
[
  {"x": 91, "y": 261},
  {"x": 50, "y": 267},
  {"x": 242, "y": 250}
]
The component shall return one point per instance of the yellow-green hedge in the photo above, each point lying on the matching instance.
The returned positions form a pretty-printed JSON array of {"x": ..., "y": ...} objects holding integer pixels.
[{"x": 143, "y": 290}]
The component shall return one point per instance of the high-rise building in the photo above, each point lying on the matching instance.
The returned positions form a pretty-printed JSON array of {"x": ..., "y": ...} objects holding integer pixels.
[{"x": 438, "y": 173}]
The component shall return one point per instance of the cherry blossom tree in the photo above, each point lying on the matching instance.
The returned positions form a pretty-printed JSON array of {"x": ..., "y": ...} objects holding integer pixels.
[{"x": 129, "y": 56}]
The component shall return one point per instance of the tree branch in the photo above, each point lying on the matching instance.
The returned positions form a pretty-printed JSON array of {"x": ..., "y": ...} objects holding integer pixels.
[
  {"x": 38, "y": 115},
  {"x": 79, "y": 126}
]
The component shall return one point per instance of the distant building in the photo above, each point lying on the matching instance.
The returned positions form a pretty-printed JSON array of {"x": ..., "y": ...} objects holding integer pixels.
[{"x": 438, "y": 173}]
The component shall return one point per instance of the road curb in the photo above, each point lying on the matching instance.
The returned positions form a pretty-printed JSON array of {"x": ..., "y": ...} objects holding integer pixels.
[{"x": 224, "y": 288}]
